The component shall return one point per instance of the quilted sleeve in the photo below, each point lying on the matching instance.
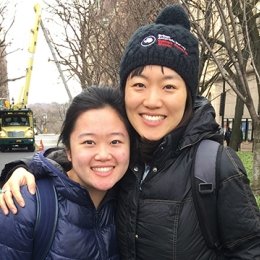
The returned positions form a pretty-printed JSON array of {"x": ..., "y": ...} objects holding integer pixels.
[
  {"x": 238, "y": 213},
  {"x": 16, "y": 231}
]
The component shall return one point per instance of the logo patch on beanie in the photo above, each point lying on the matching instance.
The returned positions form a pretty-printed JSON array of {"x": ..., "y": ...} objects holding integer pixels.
[
  {"x": 147, "y": 41},
  {"x": 167, "y": 41}
]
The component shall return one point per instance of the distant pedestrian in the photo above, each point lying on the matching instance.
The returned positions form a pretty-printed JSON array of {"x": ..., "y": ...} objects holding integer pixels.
[
  {"x": 240, "y": 140},
  {"x": 228, "y": 135}
]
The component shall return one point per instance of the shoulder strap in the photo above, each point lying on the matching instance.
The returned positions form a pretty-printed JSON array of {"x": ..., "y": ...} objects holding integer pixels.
[
  {"x": 46, "y": 218},
  {"x": 204, "y": 190}
]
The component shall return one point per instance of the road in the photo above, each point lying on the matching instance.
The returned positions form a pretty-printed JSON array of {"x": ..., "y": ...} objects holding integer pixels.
[{"x": 47, "y": 140}]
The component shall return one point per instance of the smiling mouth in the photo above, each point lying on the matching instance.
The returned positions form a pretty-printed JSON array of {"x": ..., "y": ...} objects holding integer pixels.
[
  {"x": 153, "y": 118},
  {"x": 103, "y": 169}
]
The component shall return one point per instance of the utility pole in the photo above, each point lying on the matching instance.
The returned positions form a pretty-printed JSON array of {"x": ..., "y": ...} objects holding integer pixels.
[{"x": 55, "y": 59}]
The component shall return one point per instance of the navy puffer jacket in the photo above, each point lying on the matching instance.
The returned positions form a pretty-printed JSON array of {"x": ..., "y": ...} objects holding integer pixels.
[{"x": 82, "y": 232}]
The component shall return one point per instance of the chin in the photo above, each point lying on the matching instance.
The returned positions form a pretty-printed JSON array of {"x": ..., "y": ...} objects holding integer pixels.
[
  {"x": 152, "y": 138},
  {"x": 155, "y": 136},
  {"x": 105, "y": 186}
]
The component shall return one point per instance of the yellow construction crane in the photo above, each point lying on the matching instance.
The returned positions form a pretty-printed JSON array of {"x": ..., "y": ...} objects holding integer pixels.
[
  {"x": 16, "y": 120},
  {"x": 23, "y": 96}
]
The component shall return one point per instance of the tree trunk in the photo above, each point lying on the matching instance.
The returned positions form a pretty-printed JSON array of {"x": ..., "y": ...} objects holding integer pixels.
[
  {"x": 256, "y": 159},
  {"x": 236, "y": 126}
]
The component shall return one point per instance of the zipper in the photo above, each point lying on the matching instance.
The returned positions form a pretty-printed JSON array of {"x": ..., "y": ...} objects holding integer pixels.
[
  {"x": 146, "y": 172},
  {"x": 101, "y": 244}
]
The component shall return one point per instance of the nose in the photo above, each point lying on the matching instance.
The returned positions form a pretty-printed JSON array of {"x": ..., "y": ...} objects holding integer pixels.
[
  {"x": 103, "y": 153},
  {"x": 152, "y": 98}
]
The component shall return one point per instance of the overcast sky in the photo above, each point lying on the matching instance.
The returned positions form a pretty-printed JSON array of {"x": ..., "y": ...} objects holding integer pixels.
[{"x": 46, "y": 85}]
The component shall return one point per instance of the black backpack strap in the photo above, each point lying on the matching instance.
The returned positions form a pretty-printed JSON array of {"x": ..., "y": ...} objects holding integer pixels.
[
  {"x": 204, "y": 190},
  {"x": 46, "y": 218}
]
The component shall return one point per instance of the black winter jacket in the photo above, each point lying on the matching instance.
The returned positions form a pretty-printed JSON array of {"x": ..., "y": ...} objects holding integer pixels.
[{"x": 156, "y": 216}]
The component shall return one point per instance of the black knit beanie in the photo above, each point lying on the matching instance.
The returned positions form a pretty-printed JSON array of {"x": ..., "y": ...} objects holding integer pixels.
[{"x": 167, "y": 42}]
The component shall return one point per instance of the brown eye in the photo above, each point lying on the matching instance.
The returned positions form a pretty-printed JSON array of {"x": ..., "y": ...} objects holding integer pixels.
[
  {"x": 169, "y": 87},
  {"x": 116, "y": 142},
  {"x": 139, "y": 85},
  {"x": 88, "y": 142}
]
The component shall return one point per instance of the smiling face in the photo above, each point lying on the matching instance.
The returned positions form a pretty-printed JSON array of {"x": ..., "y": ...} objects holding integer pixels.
[
  {"x": 99, "y": 149},
  {"x": 155, "y": 101}
]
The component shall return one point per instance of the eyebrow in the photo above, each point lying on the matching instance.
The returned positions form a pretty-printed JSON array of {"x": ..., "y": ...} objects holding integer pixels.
[
  {"x": 111, "y": 134},
  {"x": 165, "y": 77},
  {"x": 170, "y": 77},
  {"x": 140, "y": 75},
  {"x": 118, "y": 133}
]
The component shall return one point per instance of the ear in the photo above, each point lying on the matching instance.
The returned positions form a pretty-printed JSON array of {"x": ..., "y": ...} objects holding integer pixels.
[{"x": 68, "y": 155}]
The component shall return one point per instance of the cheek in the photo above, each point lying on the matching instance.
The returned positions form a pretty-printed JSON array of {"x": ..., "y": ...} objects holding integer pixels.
[
  {"x": 83, "y": 157},
  {"x": 80, "y": 157},
  {"x": 130, "y": 99},
  {"x": 180, "y": 113},
  {"x": 182, "y": 110},
  {"x": 124, "y": 157},
  {"x": 127, "y": 106},
  {"x": 180, "y": 105}
]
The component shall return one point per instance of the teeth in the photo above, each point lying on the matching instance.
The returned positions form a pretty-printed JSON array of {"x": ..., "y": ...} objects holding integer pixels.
[
  {"x": 102, "y": 169},
  {"x": 153, "y": 118}
]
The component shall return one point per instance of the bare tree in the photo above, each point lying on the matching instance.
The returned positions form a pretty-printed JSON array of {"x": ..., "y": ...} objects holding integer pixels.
[
  {"x": 3, "y": 64},
  {"x": 49, "y": 117},
  {"x": 92, "y": 35},
  {"x": 5, "y": 27},
  {"x": 80, "y": 42},
  {"x": 236, "y": 54}
]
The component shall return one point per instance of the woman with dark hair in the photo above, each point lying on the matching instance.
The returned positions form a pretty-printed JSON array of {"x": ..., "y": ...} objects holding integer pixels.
[{"x": 97, "y": 144}]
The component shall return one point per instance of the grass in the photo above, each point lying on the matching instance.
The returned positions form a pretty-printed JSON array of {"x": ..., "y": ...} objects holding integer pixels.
[{"x": 247, "y": 159}]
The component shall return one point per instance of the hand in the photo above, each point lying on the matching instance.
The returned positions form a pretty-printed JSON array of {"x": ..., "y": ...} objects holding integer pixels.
[{"x": 11, "y": 189}]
